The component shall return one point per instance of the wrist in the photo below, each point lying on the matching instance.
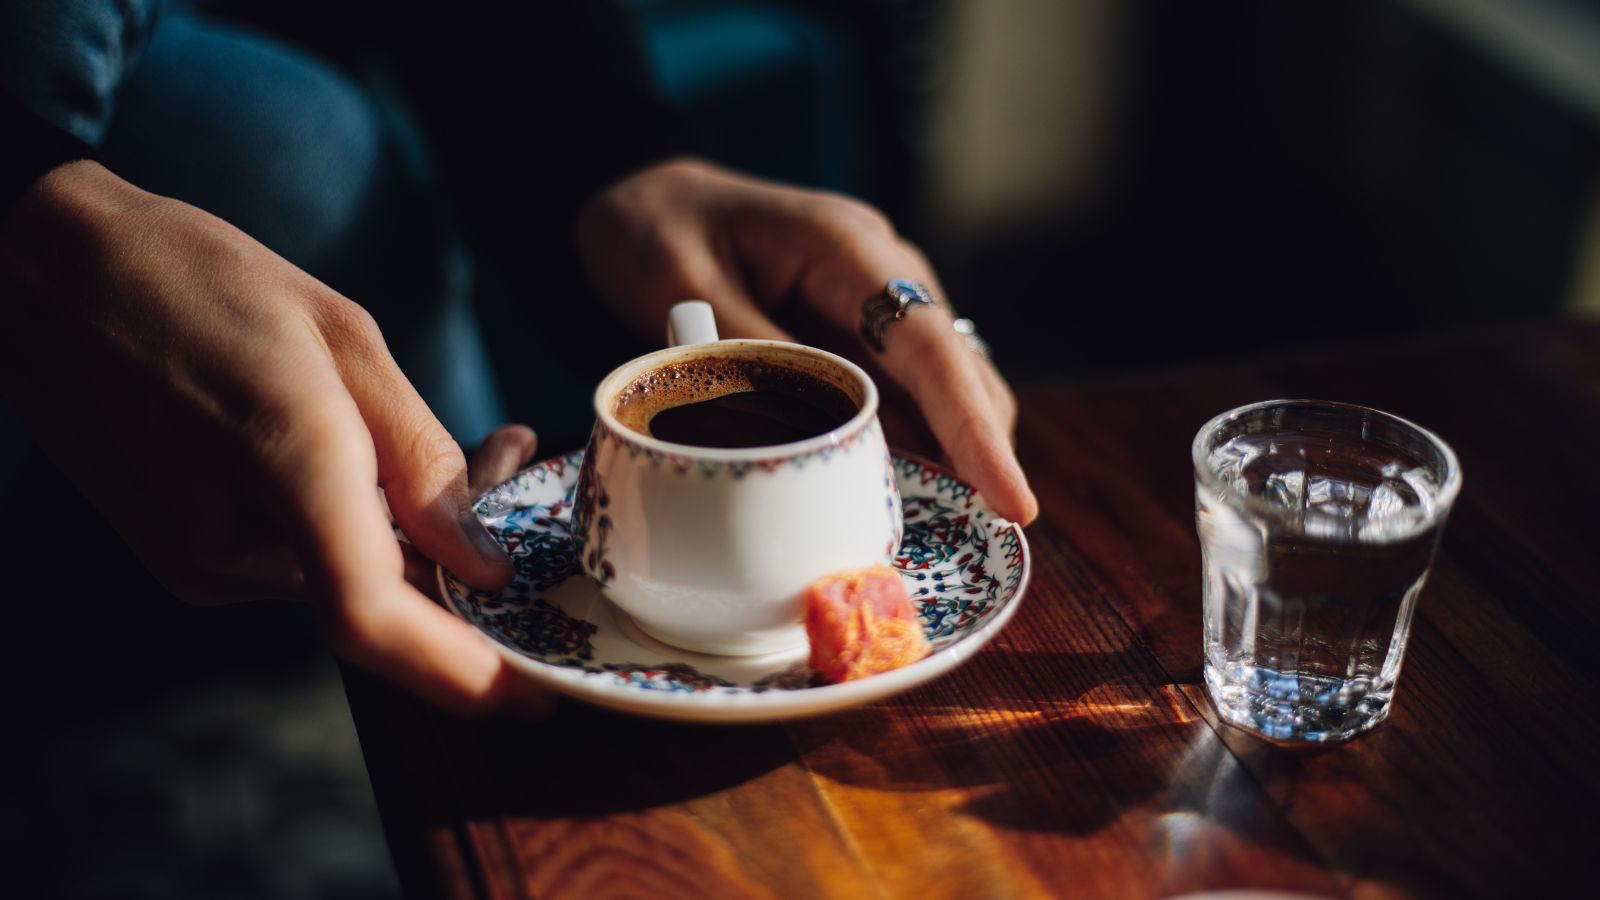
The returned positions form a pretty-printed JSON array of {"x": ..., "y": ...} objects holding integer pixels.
[
  {"x": 53, "y": 241},
  {"x": 59, "y": 216},
  {"x": 75, "y": 194}
]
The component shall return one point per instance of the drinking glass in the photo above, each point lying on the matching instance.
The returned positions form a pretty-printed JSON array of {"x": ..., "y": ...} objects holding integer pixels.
[{"x": 1318, "y": 522}]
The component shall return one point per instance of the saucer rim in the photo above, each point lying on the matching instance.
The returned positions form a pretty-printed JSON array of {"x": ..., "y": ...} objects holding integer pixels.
[{"x": 769, "y": 706}]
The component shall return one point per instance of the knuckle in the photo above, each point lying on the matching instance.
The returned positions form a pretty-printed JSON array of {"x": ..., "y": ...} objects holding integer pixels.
[
  {"x": 664, "y": 262},
  {"x": 271, "y": 423},
  {"x": 346, "y": 324},
  {"x": 854, "y": 216},
  {"x": 433, "y": 449},
  {"x": 277, "y": 423},
  {"x": 432, "y": 459},
  {"x": 971, "y": 420},
  {"x": 936, "y": 341},
  {"x": 915, "y": 254}
]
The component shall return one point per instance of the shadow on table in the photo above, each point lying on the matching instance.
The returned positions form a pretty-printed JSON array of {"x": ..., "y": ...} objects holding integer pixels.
[
  {"x": 1021, "y": 753},
  {"x": 1123, "y": 759},
  {"x": 588, "y": 762},
  {"x": 1122, "y": 763},
  {"x": 581, "y": 762}
]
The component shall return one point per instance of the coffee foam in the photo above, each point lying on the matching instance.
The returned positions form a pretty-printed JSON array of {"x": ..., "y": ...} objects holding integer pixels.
[{"x": 698, "y": 378}]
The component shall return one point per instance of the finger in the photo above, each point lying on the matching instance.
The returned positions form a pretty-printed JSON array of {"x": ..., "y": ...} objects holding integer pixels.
[
  {"x": 946, "y": 379},
  {"x": 1001, "y": 398},
  {"x": 700, "y": 275},
  {"x": 325, "y": 468},
  {"x": 741, "y": 318},
  {"x": 420, "y": 468},
  {"x": 506, "y": 450},
  {"x": 421, "y": 572},
  {"x": 925, "y": 354},
  {"x": 508, "y": 692}
]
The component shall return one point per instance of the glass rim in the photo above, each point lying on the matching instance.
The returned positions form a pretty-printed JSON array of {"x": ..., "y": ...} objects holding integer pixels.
[{"x": 1199, "y": 453}]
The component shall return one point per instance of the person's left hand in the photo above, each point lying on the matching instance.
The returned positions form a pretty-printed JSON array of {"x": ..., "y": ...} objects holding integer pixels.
[
  {"x": 507, "y": 450},
  {"x": 686, "y": 229}
]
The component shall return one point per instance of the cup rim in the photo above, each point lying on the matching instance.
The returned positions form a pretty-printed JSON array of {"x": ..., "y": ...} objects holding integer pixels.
[
  {"x": 629, "y": 370},
  {"x": 1278, "y": 515}
]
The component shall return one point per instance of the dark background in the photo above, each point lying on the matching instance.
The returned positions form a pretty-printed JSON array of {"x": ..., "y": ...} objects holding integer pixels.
[{"x": 1265, "y": 177}]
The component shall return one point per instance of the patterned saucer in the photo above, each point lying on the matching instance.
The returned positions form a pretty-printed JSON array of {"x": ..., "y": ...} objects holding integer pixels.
[{"x": 963, "y": 565}]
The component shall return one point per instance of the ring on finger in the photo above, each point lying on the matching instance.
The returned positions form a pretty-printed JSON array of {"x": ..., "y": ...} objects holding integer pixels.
[
  {"x": 895, "y": 302},
  {"x": 969, "y": 335}
]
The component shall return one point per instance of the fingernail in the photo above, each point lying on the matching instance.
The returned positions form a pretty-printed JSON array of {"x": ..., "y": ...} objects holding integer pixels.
[{"x": 482, "y": 541}]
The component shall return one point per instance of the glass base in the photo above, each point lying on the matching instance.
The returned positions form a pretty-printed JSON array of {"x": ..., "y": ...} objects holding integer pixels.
[{"x": 1293, "y": 708}]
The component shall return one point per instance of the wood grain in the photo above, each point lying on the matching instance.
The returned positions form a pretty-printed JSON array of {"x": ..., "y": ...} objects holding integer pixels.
[{"x": 1078, "y": 755}]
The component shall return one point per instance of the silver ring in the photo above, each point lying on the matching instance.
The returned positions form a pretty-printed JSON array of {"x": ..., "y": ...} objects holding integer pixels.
[
  {"x": 896, "y": 301},
  {"x": 890, "y": 306},
  {"x": 969, "y": 333}
]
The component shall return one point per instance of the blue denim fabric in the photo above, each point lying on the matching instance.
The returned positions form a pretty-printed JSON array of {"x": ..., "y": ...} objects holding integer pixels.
[
  {"x": 65, "y": 59},
  {"x": 304, "y": 160}
]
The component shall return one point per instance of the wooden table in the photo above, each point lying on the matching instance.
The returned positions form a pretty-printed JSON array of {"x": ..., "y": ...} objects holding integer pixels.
[{"x": 1077, "y": 755}]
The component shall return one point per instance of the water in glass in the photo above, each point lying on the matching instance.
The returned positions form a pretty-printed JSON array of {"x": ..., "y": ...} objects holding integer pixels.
[{"x": 1312, "y": 571}]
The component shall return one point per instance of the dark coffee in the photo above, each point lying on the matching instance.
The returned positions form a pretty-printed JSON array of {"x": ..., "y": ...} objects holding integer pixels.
[{"x": 728, "y": 402}]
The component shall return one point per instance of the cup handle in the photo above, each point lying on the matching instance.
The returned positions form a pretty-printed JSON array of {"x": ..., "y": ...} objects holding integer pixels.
[{"x": 691, "y": 322}]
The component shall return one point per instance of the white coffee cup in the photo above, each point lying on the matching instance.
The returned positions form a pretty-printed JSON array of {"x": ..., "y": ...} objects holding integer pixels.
[{"x": 710, "y": 549}]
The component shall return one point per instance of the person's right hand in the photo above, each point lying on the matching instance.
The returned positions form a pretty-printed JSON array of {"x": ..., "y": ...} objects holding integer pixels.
[
  {"x": 685, "y": 228},
  {"x": 234, "y": 419}
]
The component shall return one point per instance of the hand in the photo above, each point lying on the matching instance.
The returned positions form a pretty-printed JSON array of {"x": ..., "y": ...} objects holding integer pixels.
[
  {"x": 234, "y": 419},
  {"x": 685, "y": 229}
]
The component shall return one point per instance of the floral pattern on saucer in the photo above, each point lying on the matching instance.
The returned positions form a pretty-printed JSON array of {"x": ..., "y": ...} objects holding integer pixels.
[{"x": 964, "y": 567}]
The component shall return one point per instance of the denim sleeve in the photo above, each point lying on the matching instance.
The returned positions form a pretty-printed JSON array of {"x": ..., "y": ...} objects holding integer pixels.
[{"x": 62, "y": 60}]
